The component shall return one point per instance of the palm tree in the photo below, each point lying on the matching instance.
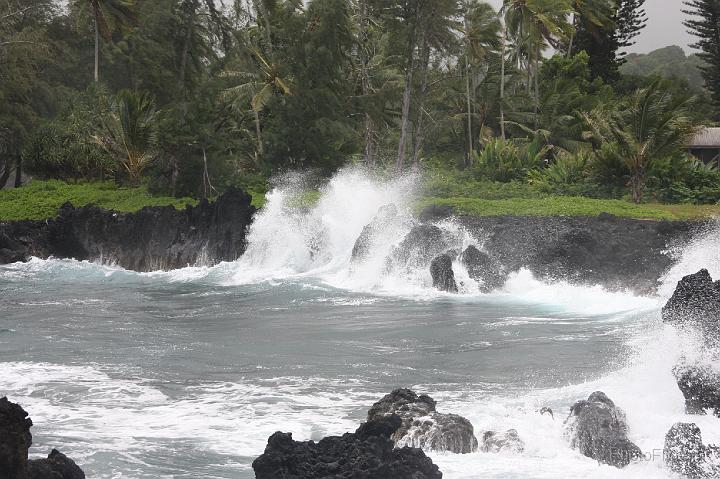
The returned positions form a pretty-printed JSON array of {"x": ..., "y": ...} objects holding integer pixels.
[
  {"x": 108, "y": 16},
  {"x": 259, "y": 86},
  {"x": 654, "y": 125},
  {"x": 482, "y": 37},
  {"x": 535, "y": 24},
  {"x": 129, "y": 132}
]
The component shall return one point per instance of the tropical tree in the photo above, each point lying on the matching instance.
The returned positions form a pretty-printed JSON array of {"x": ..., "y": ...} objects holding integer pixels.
[
  {"x": 534, "y": 24},
  {"x": 129, "y": 132},
  {"x": 705, "y": 24},
  {"x": 482, "y": 38},
  {"x": 655, "y": 124},
  {"x": 108, "y": 16}
]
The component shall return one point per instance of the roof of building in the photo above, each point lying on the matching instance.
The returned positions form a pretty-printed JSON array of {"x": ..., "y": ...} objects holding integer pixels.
[{"x": 706, "y": 138}]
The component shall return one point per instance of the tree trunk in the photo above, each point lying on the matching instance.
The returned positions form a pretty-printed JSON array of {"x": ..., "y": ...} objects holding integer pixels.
[
  {"x": 502, "y": 83},
  {"x": 365, "y": 84},
  {"x": 5, "y": 174},
  {"x": 469, "y": 112},
  {"x": 96, "y": 15},
  {"x": 537, "y": 89},
  {"x": 184, "y": 58},
  {"x": 637, "y": 181},
  {"x": 407, "y": 95},
  {"x": 18, "y": 170},
  {"x": 419, "y": 123},
  {"x": 258, "y": 132}
]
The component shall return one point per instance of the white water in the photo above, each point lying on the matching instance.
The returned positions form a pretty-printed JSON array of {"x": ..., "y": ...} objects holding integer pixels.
[{"x": 134, "y": 410}]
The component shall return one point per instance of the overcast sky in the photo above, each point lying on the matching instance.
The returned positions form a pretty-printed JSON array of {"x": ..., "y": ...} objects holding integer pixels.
[{"x": 664, "y": 26}]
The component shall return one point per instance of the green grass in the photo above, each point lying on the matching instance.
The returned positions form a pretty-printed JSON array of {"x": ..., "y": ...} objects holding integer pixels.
[
  {"x": 41, "y": 199},
  {"x": 571, "y": 206}
]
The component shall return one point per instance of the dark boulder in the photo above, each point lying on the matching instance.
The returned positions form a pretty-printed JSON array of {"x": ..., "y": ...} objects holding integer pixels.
[
  {"x": 685, "y": 454},
  {"x": 15, "y": 440},
  {"x": 700, "y": 385},
  {"x": 696, "y": 303},
  {"x": 508, "y": 441},
  {"x": 420, "y": 246},
  {"x": 153, "y": 238},
  {"x": 369, "y": 453},
  {"x": 482, "y": 269},
  {"x": 56, "y": 466},
  {"x": 597, "y": 428},
  {"x": 363, "y": 244},
  {"x": 422, "y": 426},
  {"x": 443, "y": 277}
]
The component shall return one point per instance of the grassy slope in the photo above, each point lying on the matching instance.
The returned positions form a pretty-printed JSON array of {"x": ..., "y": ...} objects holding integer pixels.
[
  {"x": 41, "y": 199},
  {"x": 572, "y": 206}
]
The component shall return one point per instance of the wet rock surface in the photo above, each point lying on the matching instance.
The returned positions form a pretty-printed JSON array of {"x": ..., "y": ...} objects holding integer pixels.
[
  {"x": 422, "y": 426},
  {"x": 369, "y": 453},
  {"x": 597, "y": 428},
  {"x": 442, "y": 273},
  {"x": 696, "y": 304},
  {"x": 618, "y": 253},
  {"x": 153, "y": 238},
  {"x": 685, "y": 454},
  {"x": 483, "y": 269},
  {"x": 508, "y": 441},
  {"x": 700, "y": 385},
  {"x": 16, "y": 439}
]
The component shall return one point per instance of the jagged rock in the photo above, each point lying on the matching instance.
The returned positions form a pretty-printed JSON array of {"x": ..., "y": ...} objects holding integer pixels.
[
  {"x": 385, "y": 216},
  {"x": 483, "y": 269},
  {"x": 696, "y": 303},
  {"x": 369, "y": 453},
  {"x": 56, "y": 466},
  {"x": 420, "y": 246},
  {"x": 700, "y": 385},
  {"x": 499, "y": 442},
  {"x": 685, "y": 453},
  {"x": 442, "y": 274},
  {"x": 150, "y": 239},
  {"x": 422, "y": 426},
  {"x": 598, "y": 429},
  {"x": 15, "y": 440}
]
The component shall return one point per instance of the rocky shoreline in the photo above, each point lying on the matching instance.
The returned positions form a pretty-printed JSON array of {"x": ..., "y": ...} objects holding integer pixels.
[{"x": 618, "y": 253}]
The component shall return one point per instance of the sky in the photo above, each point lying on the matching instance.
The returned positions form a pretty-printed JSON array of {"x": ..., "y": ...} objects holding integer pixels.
[{"x": 664, "y": 26}]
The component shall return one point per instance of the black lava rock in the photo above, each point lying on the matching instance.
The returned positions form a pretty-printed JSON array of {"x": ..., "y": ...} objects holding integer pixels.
[
  {"x": 700, "y": 385},
  {"x": 369, "y": 453},
  {"x": 685, "y": 453},
  {"x": 483, "y": 269},
  {"x": 153, "y": 238},
  {"x": 696, "y": 303},
  {"x": 15, "y": 440},
  {"x": 443, "y": 276},
  {"x": 422, "y": 426},
  {"x": 597, "y": 428}
]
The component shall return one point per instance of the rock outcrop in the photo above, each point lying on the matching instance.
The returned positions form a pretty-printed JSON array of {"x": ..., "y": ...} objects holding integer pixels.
[
  {"x": 598, "y": 429},
  {"x": 685, "y": 454},
  {"x": 508, "y": 441},
  {"x": 696, "y": 304},
  {"x": 153, "y": 238},
  {"x": 423, "y": 243},
  {"x": 386, "y": 217},
  {"x": 369, "y": 453},
  {"x": 442, "y": 273},
  {"x": 618, "y": 253},
  {"x": 700, "y": 385},
  {"x": 482, "y": 269},
  {"x": 15, "y": 440},
  {"x": 422, "y": 426}
]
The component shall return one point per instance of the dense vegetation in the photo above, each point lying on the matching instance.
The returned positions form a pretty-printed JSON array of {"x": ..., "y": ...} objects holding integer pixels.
[{"x": 183, "y": 98}]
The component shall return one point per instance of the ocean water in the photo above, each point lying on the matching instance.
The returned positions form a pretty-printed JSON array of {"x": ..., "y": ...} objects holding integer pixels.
[{"x": 185, "y": 374}]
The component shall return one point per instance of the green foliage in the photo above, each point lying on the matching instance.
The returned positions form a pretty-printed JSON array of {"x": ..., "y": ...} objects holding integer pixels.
[
  {"x": 704, "y": 20},
  {"x": 507, "y": 161},
  {"x": 42, "y": 199},
  {"x": 569, "y": 206},
  {"x": 667, "y": 62}
]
